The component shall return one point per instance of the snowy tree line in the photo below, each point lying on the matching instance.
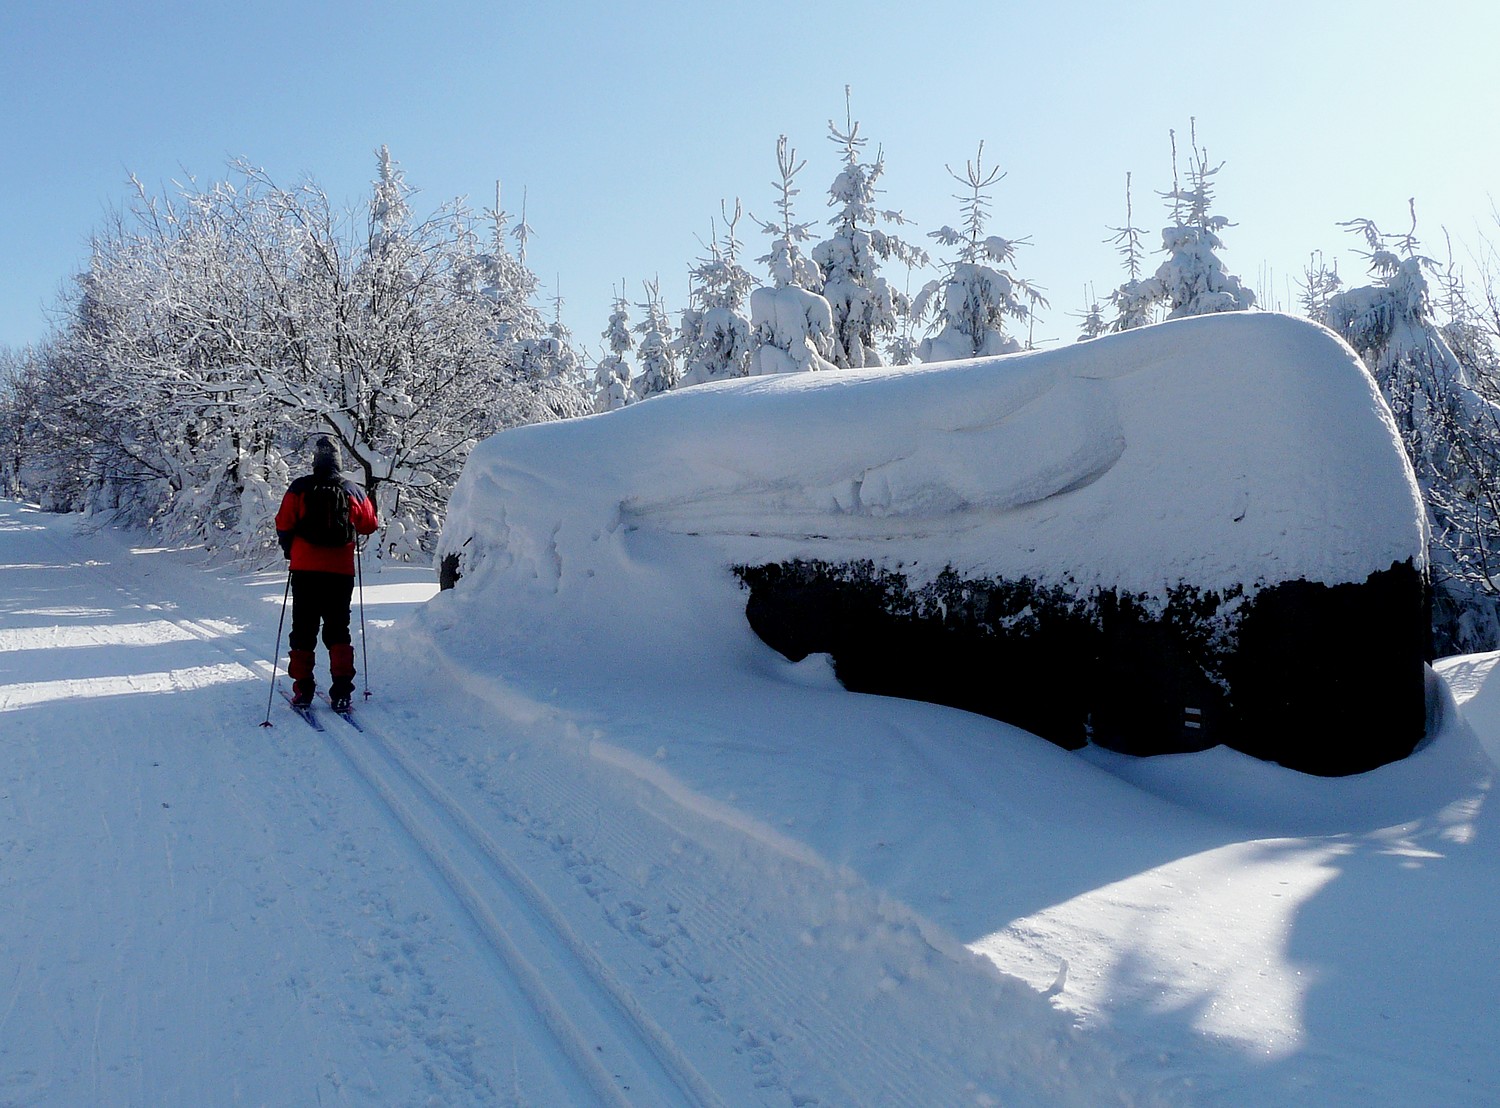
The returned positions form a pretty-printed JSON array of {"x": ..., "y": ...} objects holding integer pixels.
[
  {"x": 829, "y": 304},
  {"x": 218, "y": 330}
]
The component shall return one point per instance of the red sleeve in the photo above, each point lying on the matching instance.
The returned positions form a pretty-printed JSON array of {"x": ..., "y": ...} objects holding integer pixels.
[
  {"x": 363, "y": 515},
  {"x": 289, "y": 512}
]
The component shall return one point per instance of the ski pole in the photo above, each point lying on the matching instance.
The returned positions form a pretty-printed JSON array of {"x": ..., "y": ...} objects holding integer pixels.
[
  {"x": 276, "y": 652},
  {"x": 359, "y": 571}
]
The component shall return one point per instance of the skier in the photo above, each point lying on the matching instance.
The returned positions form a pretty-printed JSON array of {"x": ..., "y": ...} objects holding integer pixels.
[{"x": 321, "y": 516}]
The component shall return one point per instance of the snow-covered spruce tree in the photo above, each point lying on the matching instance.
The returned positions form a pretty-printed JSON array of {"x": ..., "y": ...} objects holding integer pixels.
[
  {"x": 903, "y": 348},
  {"x": 1319, "y": 284},
  {"x": 1135, "y": 299},
  {"x": 791, "y": 326},
  {"x": 1092, "y": 323},
  {"x": 655, "y": 356},
  {"x": 549, "y": 364},
  {"x": 1450, "y": 430},
  {"x": 612, "y": 375},
  {"x": 1472, "y": 327},
  {"x": 509, "y": 286},
  {"x": 714, "y": 337},
  {"x": 972, "y": 303},
  {"x": 1192, "y": 280},
  {"x": 537, "y": 353},
  {"x": 866, "y": 309}
]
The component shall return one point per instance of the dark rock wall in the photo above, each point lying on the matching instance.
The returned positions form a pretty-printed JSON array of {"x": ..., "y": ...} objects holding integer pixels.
[{"x": 1325, "y": 679}]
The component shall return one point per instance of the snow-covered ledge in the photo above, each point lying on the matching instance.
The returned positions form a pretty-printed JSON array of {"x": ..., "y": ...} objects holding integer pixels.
[{"x": 1160, "y": 540}]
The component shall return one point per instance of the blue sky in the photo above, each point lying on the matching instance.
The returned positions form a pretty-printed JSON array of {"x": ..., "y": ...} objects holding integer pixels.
[{"x": 627, "y": 124}]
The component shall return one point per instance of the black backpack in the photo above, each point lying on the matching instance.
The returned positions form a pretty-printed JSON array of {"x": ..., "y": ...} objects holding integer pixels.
[{"x": 325, "y": 514}]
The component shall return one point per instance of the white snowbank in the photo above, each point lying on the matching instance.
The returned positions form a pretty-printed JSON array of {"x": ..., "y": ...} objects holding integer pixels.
[{"x": 1246, "y": 448}]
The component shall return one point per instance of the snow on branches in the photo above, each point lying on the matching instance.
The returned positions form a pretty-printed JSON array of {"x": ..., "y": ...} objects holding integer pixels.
[
  {"x": 791, "y": 325},
  {"x": 714, "y": 338},
  {"x": 1192, "y": 280},
  {"x": 1450, "y": 428},
  {"x": 219, "y": 330},
  {"x": 972, "y": 303},
  {"x": 865, "y": 308}
]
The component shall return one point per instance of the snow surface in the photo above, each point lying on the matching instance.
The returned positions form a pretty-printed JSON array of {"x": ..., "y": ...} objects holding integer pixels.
[{"x": 1244, "y": 448}]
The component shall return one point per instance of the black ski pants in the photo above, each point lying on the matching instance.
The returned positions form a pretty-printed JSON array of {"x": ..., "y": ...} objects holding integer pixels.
[{"x": 324, "y": 598}]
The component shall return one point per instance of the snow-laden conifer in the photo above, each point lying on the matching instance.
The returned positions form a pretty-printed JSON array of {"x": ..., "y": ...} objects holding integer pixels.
[
  {"x": 1135, "y": 299},
  {"x": 714, "y": 336},
  {"x": 510, "y": 287},
  {"x": 972, "y": 303},
  {"x": 1319, "y": 284},
  {"x": 1451, "y": 431},
  {"x": 390, "y": 215},
  {"x": 866, "y": 309},
  {"x": 791, "y": 326},
  {"x": 1092, "y": 323},
  {"x": 1192, "y": 280},
  {"x": 656, "y": 358},
  {"x": 613, "y": 375},
  {"x": 551, "y": 366}
]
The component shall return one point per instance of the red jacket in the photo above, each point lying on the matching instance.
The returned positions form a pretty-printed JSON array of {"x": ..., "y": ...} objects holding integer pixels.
[{"x": 324, "y": 559}]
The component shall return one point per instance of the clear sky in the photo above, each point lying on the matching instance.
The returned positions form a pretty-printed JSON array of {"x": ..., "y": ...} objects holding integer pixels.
[{"x": 628, "y": 123}]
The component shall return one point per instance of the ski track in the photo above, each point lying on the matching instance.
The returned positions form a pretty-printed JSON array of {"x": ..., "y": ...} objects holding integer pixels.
[{"x": 571, "y": 989}]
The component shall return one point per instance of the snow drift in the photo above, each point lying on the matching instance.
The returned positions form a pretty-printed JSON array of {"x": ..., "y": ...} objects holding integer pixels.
[{"x": 1184, "y": 513}]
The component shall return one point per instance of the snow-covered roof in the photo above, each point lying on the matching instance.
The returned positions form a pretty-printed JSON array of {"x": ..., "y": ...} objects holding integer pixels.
[{"x": 1242, "y": 448}]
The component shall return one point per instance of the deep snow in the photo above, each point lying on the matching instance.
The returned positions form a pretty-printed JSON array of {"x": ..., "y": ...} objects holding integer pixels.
[
  {"x": 545, "y": 876},
  {"x": 1243, "y": 449}
]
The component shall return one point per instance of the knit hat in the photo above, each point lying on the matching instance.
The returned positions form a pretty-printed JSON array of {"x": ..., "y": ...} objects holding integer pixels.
[{"x": 326, "y": 459}]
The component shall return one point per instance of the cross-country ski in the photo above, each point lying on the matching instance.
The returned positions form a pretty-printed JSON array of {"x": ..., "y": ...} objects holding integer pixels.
[
  {"x": 344, "y": 711},
  {"x": 302, "y": 711}
]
